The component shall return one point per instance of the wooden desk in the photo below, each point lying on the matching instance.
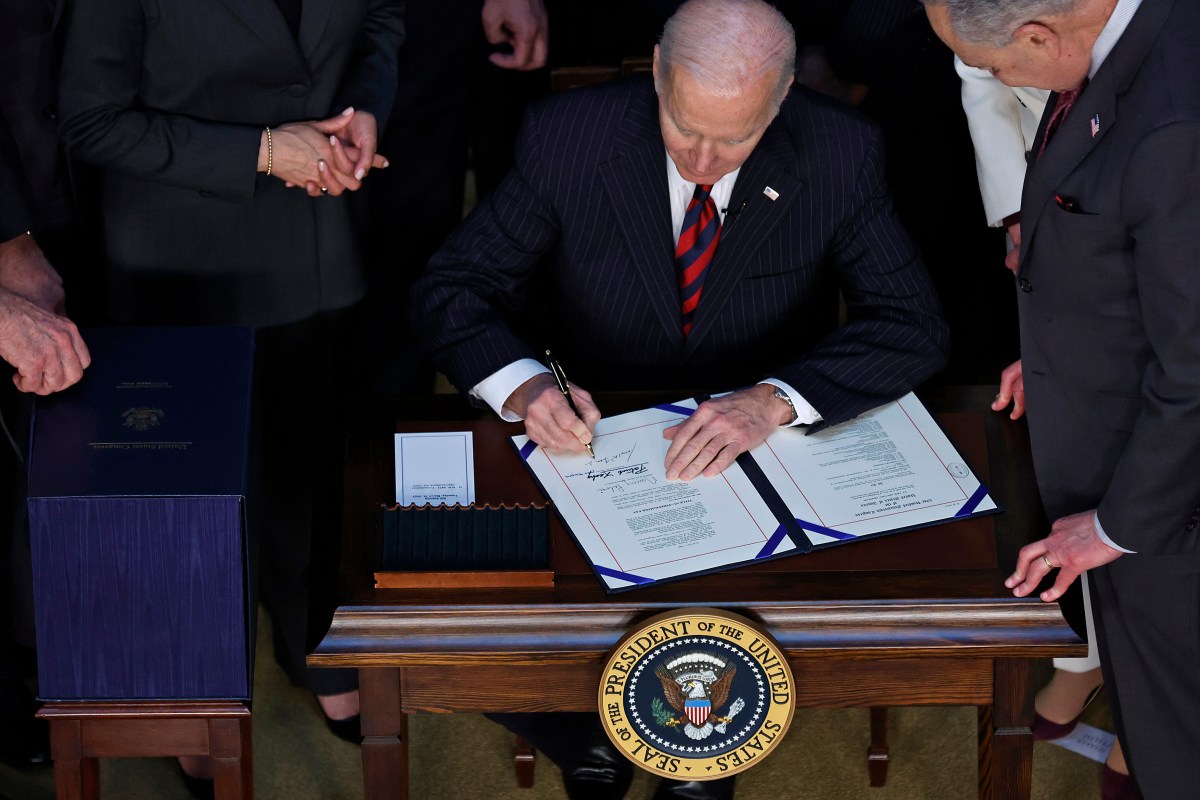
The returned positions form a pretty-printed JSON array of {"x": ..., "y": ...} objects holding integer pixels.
[{"x": 921, "y": 618}]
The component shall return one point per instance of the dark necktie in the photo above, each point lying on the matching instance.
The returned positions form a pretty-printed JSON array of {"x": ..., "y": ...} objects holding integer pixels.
[
  {"x": 1062, "y": 106},
  {"x": 697, "y": 243}
]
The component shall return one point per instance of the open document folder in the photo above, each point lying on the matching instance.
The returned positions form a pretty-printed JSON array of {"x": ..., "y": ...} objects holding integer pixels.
[{"x": 889, "y": 470}]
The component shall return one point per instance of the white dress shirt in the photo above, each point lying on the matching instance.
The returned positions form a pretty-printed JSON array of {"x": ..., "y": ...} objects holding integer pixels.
[
  {"x": 1105, "y": 42},
  {"x": 499, "y": 386}
]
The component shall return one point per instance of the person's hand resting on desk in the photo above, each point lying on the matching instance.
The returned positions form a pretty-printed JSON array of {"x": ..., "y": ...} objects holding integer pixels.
[
  {"x": 1072, "y": 547},
  {"x": 706, "y": 443},
  {"x": 722, "y": 429},
  {"x": 549, "y": 420}
]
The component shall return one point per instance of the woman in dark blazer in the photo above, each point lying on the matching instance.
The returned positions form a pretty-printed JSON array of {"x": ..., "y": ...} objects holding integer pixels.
[{"x": 223, "y": 204}]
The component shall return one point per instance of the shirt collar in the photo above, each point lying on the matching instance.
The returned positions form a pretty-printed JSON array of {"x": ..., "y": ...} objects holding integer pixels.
[
  {"x": 1116, "y": 25},
  {"x": 674, "y": 179}
]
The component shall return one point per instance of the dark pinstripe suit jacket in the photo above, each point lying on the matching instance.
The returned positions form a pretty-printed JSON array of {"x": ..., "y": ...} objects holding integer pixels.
[{"x": 574, "y": 252}]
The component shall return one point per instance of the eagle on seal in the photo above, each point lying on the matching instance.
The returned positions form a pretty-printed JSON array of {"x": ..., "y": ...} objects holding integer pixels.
[{"x": 697, "y": 685}]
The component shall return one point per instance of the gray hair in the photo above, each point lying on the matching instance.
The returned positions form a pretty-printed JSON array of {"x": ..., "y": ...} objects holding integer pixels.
[
  {"x": 993, "y": 22},
  {"x": 728, "y": 45}
]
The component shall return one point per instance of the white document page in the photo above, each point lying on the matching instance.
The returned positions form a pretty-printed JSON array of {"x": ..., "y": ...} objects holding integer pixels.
[
  {"x": 889, "y": 469},
  {"x": 435, "y": 468},
  {"x": 635, "y": 525},
  {"x": 1088, "y": 741}
]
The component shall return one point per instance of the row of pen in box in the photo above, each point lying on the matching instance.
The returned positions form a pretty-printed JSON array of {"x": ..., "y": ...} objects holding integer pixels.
[{"x": 460, "y": 537}]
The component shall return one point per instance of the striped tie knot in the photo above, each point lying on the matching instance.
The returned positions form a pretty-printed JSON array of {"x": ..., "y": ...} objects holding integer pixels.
[{"x": 697, "y": 242}]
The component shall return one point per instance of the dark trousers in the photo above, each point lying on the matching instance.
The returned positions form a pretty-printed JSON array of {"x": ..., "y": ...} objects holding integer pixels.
[
  {"x": 562, "y": 736},
  {"x": 296, "y": 486},
  {"x": 1147, "y": 614},
  {"x": 16, "y": 574}
]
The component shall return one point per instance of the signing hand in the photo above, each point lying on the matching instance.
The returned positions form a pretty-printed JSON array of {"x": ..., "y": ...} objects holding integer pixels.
[
  {"x": 1012, "y": 225},
  {"x": 549, "y": 421},
  {"x": 24, "y": 270},
  {"x": 521, "y": 24},
  {"x": 45, "y": 348},
  {"x": 1012, "y": 389},
  {"x": 1072, "y": 546},
  {"x": 722, "y": 429}
]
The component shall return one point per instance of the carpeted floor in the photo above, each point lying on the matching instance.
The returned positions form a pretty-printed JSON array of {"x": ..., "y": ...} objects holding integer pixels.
[{"x": 465, "y": 757}]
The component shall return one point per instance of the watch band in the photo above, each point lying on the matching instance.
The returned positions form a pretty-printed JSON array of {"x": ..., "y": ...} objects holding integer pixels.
[{"x": 782, "y": 395}]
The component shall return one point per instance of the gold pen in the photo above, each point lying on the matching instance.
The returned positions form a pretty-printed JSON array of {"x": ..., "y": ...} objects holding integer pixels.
[{"x": 561, "y": 378}]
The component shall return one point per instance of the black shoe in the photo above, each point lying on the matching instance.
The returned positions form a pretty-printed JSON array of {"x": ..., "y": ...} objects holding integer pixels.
[
  {"x": 348, "y": 729},
  {"x": 720, "y": 789},
  {"x": 199, "y": 788},
  {"x": 24, "y": 739},
  {"x": 602, "y": 774}
]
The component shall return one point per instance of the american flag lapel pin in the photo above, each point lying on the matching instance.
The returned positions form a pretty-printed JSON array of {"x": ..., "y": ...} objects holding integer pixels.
[
  {"x": 771, "y": 194},
  {"x": 1095, "y": 126}
]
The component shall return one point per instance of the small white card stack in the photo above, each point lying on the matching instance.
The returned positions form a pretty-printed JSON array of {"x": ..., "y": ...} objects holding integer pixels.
[{"x": 435, "y": 468}]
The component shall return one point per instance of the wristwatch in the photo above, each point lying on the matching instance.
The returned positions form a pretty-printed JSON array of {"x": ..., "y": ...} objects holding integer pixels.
[{"x": 782, "y": 395}]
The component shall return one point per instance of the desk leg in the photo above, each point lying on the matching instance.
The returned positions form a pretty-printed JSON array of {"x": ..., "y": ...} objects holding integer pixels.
[
  {"x": 76, "y": 777},
  {"x": 229, "y": 746},
  {"x": 1005, "y": 737},
  {"x": 385, "y": 735},
  {"x": 524, "y": 760},
  {"x": 877, "y": 753}
]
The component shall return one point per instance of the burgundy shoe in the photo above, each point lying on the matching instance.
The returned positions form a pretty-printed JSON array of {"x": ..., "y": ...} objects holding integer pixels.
[
  {"x": 1044, "y": 730},
  {"x": 1115, "y": 786}
]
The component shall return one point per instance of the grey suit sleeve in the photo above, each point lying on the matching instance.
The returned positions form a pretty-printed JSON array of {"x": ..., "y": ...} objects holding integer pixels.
[
  {"x": 894, "y": 337},
  {"x": 370, "y": 82},
  {"x": 1152, "y": 504},
  {"x": 102, "y": 123}
]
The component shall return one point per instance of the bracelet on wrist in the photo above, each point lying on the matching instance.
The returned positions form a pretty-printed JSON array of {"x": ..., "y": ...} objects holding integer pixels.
[{"x": 270, "y": 151}]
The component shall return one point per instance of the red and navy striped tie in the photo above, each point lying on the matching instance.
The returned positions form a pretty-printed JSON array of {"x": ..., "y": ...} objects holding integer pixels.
[{"x": 697, "y": 243}]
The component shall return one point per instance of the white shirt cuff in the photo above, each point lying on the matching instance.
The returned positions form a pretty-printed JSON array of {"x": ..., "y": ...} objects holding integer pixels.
[
  {"x": 499, "y": 386},
  {"x": 1104, "y": 536},
  {"x": 805, "y": 413}
]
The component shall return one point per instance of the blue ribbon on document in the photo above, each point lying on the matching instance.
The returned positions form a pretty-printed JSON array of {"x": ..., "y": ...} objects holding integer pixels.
[
  {"x": 674, "y": 409},
  {"x": 625, "y": 576},
  {"x": 527, "y": 449},
  {"x": 788, "y": 525},
  {"x": 973, "y": 503}
]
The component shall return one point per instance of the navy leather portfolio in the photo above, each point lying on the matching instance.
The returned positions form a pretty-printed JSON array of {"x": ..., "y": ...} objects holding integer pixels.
[{"x": 137, "y": 481}]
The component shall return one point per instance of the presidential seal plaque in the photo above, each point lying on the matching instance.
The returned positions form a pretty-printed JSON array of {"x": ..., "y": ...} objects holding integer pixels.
[{"x": 696, "y": 694}]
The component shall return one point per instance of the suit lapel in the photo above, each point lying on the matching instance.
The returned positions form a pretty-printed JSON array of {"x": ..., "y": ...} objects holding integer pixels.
[
  {"x": 265, "y": 20},
  {"x": 1074, "y": 139},
  {"x": 752, "y": 217},
  {"x": 635, "y": 184},
  {"x": 313, "y": 23}
]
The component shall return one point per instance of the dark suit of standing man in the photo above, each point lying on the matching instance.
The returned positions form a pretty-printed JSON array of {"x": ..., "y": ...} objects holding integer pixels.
[
  {"x": 575, "y": 251},
  {"x": 1110, "y": 332},
  {"x": 38, "y": 241}
]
